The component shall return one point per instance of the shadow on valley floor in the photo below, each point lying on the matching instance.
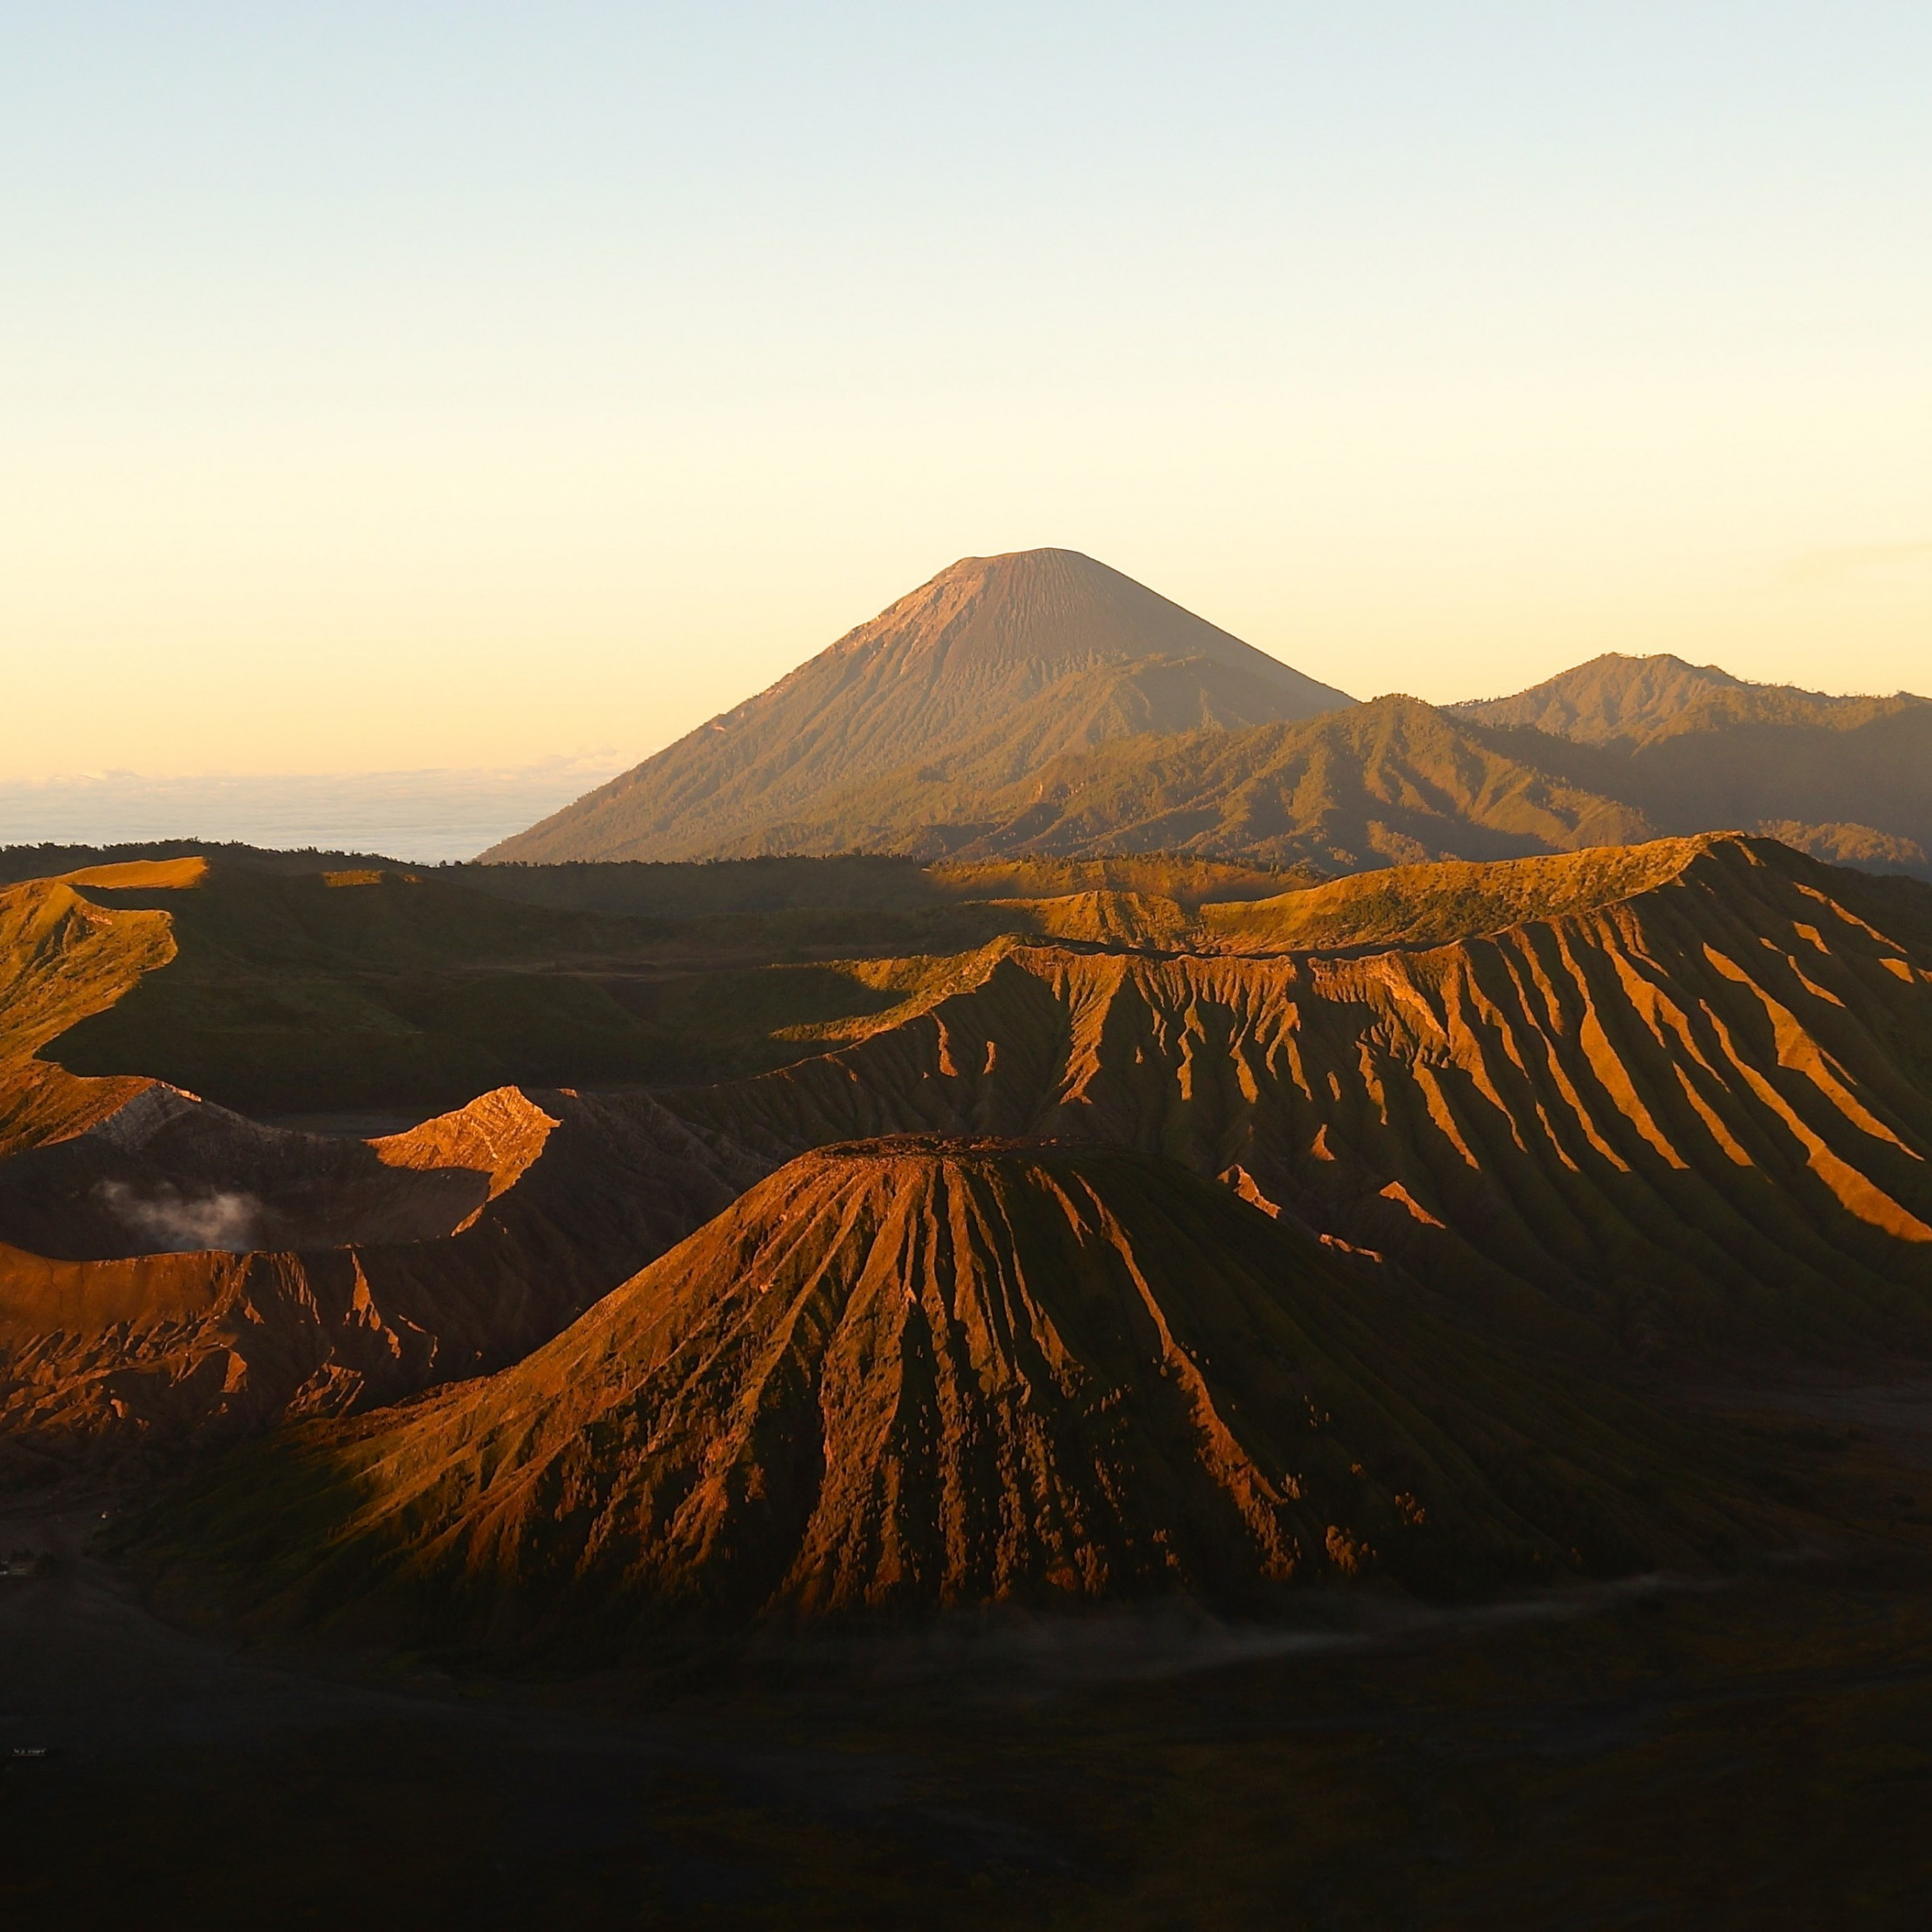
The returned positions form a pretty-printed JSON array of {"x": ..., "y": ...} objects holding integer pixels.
[{"x": 1757, "y": 1755}]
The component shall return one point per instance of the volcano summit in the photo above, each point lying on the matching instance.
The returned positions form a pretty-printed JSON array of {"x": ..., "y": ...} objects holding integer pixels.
[{"x": 977, "y": 677}]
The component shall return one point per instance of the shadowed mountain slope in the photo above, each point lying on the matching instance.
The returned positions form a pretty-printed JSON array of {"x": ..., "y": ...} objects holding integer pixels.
[
  {"x": 395, "y": 991},
  {"x": 270, "y": 990},
  {"x": 880, "y": 886},
  {"x": 979, "y": 676},
  {"x": 1694, "y": 749},
  {"x": 1390, "y": 782},
  {"x": 905, "y": 1375},
  {"x": 1700, "y": 1108}
]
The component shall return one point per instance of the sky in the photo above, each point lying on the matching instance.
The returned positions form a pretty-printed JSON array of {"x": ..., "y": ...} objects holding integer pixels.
[{"x": 391, "y": 385}]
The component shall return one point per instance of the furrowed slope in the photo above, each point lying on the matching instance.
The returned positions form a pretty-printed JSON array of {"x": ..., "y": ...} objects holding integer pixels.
[
  {"x": 902, "y": 1376},
  {"x": 175, "y": 1275},
  {"x": 995, "y": 665},
  {"x": 1702, "y": 1111}
]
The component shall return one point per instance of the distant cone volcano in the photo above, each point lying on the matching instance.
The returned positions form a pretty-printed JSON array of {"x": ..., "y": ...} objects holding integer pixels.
[
  {"x": 902, "y": 1375},
  {"x": 981, "y": 675}
]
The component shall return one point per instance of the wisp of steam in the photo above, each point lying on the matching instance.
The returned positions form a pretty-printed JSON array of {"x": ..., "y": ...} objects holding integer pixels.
[{"x": 184, "y": 1224}]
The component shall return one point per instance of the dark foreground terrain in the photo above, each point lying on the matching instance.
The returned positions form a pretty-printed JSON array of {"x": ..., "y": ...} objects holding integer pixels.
[
  {"x": 1753, "y": 1754},
  {"x": 1503, "y": 1293}
]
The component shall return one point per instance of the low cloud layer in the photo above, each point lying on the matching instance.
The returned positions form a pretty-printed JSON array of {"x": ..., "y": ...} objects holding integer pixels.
[{"x": 184, "y": 1224}]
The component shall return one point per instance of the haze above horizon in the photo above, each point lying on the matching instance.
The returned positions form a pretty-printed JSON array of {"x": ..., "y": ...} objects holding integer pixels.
[{"x": 384, "y": 392}]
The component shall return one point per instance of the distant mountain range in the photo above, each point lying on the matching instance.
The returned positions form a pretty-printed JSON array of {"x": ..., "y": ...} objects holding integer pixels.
[
  {"x": 1043, "y": 703},
  {"x": 1847, "y": 779}
]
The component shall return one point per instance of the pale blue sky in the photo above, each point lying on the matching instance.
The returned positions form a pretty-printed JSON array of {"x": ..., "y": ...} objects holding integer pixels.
[{"x": 403, "y": 385}]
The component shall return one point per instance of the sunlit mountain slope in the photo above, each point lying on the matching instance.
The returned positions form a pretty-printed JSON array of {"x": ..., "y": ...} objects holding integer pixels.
[{"x": 1700, "y": 1107}]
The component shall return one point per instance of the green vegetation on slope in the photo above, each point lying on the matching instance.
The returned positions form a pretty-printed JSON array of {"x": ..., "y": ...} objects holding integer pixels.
[
  {"x": 1188, "y": 881},
  {"x": 298, "y": 994},
  {"x": 1638, "y": 701},
  {"x": 1863, "y": 846}
]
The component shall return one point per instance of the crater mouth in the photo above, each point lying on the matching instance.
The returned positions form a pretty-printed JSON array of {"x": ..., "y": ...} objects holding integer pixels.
[{"x": 171, "y": 1175}]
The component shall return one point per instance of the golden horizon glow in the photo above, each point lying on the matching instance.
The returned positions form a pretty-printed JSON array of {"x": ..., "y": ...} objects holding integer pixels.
[{"x": 356, "y": 426}]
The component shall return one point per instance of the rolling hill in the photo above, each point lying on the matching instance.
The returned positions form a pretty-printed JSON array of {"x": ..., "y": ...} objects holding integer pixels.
[
  {"x": 997, "y": 666},
  {"x": 907, "y": 1375}
]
